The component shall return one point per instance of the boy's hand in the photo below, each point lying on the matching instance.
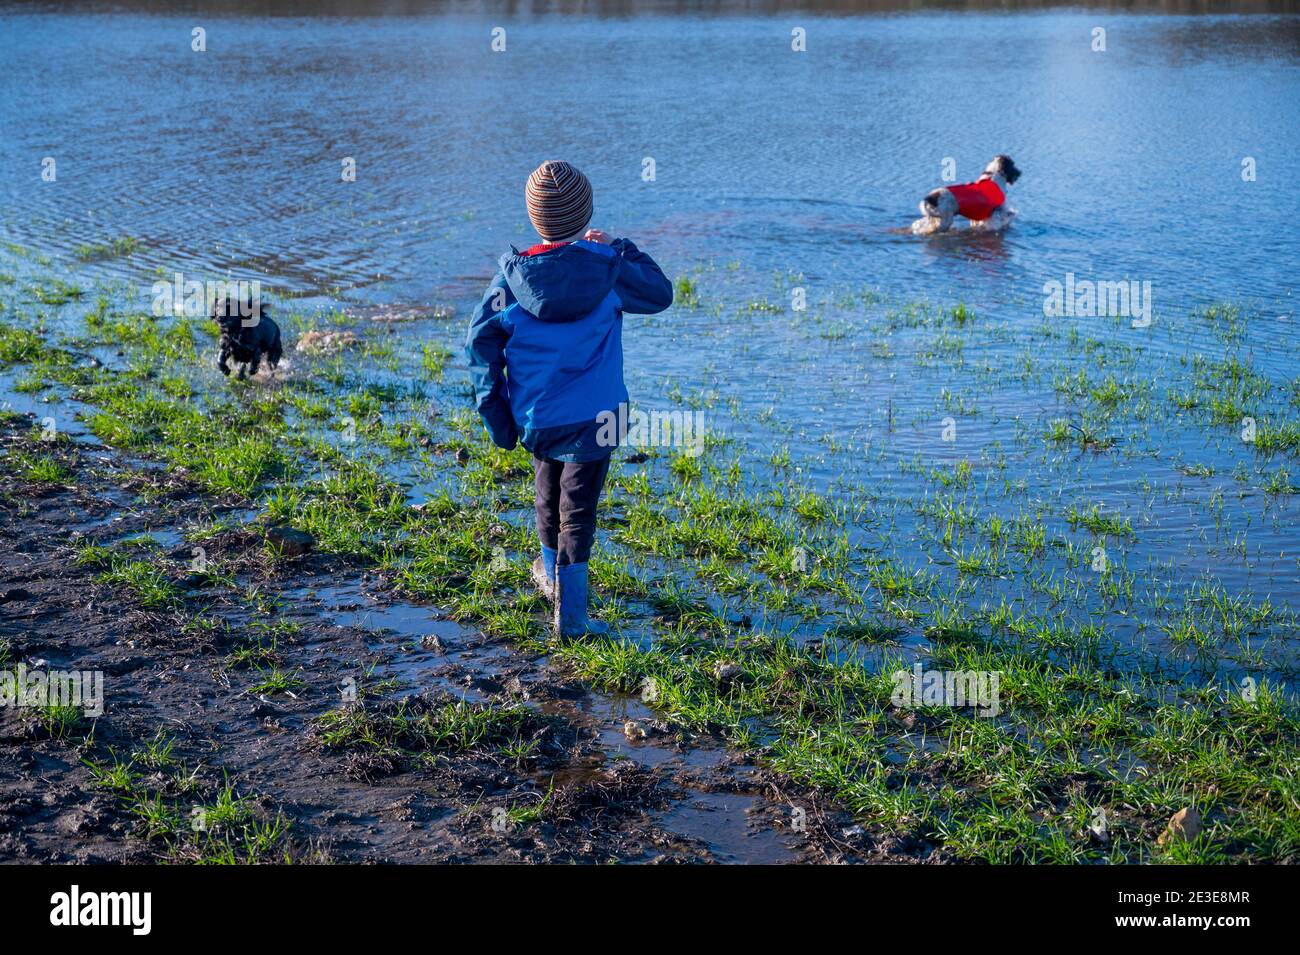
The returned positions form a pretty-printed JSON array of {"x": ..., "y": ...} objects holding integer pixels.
[{"x": 595, "y": 235}]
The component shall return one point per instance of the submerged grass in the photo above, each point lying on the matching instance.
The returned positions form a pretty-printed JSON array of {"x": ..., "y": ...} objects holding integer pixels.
[{"x": 718, "y": 586}]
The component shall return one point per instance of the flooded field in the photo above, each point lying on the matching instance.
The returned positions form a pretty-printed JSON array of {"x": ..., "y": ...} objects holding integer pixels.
[{"x": 1066, "y": 457}]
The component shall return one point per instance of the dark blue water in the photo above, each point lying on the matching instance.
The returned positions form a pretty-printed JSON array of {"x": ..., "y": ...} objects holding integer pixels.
[{"x": 799, "y": 162}]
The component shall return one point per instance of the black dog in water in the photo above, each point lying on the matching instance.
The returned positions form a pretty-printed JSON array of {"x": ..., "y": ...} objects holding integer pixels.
[{"x": 247, "y": 334}]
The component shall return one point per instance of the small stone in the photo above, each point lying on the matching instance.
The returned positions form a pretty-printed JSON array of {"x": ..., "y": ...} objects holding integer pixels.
[
  {"x": 462, "y": 456},
  {"x": 1184, "y": 824},
  {"x": 484, "y": 684},
  {"x": 649, "y": 690},
  {"x": 289, "y": 541},
  {"x": 562, "y": 691},
  {"x": 430, "y": 641},
  {"x": 634, "y": 730},
  {"x": 319, "y": 343},
  {"x": 73, "y": 822},
  {"x": 906, "y": 717},
  {"x": 726, "y": 672}
]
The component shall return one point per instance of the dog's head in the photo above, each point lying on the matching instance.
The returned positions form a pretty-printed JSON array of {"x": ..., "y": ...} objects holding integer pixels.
[
  {"x": 235, "y": 312},
  {"x": 1004, "y": 166}
]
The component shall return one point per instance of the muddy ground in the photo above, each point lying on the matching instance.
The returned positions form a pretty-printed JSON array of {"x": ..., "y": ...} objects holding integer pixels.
[{"x": 598, "y": 778}]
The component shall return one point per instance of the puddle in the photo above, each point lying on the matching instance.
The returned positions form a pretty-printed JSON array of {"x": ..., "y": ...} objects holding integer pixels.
[
  {"x": 733, "y": 827},
  {"x": 167, "y": 539},
  {"x": 349, "y": 606},
  {"x": 722, "y": 820},
  {"x": 460, "y": 651},
  {"x": 609, "y": 714},
  {"x": 59, "y": 413}
]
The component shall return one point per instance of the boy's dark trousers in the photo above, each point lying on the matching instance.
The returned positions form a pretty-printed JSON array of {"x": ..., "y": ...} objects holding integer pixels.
[{"x": 567, "y": 493}]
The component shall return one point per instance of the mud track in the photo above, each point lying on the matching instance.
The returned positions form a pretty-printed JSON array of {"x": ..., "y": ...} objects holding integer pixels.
[{"x": 576, "y": 783}]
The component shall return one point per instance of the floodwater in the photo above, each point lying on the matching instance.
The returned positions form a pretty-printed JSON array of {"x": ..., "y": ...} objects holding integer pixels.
[{"x": 1169, "y": 157}]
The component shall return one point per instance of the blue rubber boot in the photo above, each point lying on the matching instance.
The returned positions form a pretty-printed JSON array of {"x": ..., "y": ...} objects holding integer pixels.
[
  {"x": 571, "y": 603},
  {"x": 544, "y": 572}
]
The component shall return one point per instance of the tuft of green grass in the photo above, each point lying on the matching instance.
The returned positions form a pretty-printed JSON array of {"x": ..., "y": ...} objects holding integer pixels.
[
  {"x": 1100, "y": 523},
  {"x": 274, "y": 680},
  {"x": 254, "y": 656},
  {"x": 1284, "y": 437},
  {"x": 686, "y": 293},
  {"x": 19, "y": 345},
  {"x": 864, "y": 629},
  {"x": 122, "y": 245},
  {"x": 55, "y": 292},
  {"x": 433, "y": 360},
  {"x": 156, "y": 753},
  {"x": 147, "y": 582},
  {"x": 38, "y": 468},
  {"x": 61, "y": 720},
  {"x": 414, "y": 729}
]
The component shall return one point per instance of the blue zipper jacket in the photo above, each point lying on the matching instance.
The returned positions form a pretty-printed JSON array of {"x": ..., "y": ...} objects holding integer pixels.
[{"x": 545, "y": 345}]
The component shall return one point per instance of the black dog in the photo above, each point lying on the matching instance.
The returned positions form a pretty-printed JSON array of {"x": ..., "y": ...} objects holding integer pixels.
[{"x": 247, "y": 334}]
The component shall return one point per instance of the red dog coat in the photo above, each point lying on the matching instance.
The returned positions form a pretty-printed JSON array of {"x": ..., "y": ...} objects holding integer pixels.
[{"x": 978, "y": 200}]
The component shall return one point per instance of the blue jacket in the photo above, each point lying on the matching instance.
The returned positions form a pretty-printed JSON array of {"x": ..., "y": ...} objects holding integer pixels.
[{"x": 545, "y": 345}]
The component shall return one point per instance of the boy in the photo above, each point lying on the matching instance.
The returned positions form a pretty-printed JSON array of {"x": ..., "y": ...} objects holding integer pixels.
[{"x": 545, "y": 354}]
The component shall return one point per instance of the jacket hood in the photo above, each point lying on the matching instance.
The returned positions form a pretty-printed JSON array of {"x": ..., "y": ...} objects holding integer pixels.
[{"x": 561, "y": 284}]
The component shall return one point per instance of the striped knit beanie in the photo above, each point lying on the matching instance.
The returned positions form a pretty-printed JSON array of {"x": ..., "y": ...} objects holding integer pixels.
[{"x": 559, "y": 200}]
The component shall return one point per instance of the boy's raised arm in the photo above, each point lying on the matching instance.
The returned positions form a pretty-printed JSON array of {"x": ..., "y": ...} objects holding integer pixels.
[
  {"x": 485, "y": 346},
  {"x": 642, "y": 285}
]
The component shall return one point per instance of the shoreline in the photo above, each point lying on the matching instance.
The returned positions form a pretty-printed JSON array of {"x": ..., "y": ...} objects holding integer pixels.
[{"x": 1084, "y": 760}]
